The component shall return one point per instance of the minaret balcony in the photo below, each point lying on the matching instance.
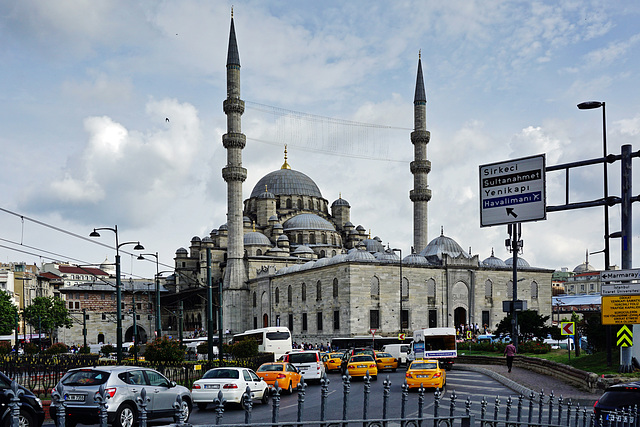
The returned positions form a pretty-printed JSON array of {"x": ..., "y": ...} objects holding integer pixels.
[
  {"x": 234, "y": 140},
  {"x": 420, "y": 195},
  {"x": 420, "y": 136},
  {"x": 233, "y": 105},
  {"x": 420, "y": 166},
  {"x": 234, "y": 173}
]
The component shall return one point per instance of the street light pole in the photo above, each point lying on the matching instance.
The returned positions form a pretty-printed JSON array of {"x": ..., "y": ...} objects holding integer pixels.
[
  {"x": 590, "y": 105},
  {"x": 158, "y": 322},
  {"x": 137, "y": 247},
  {"x": 400, "y": 250}
]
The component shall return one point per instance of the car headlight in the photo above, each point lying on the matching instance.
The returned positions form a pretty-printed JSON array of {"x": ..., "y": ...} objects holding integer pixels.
[{"x": 38, "y": 401}]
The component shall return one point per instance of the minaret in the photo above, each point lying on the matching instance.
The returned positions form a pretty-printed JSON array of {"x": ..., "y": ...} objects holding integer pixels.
[
  {"x": 420, "y": 167},
  {"x": 235, "y": 296}
]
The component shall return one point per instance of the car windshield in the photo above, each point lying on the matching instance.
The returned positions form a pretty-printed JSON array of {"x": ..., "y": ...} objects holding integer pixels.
[
  {"x": 384, "y": 355},
  {"x": 362, "y": 358},
  {"x": 222, "y": 373},
  {"x": 273, "y": 367},
  {"x": 423, "y": 366},
  {"x": 620, "y": 398},
  {"x": 86, "y": 377},
  {"x": 303, "y": 358},
  {"x": 278, "y": 336}
]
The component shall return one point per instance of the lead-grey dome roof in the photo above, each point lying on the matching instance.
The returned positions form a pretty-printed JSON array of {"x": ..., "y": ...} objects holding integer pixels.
[
  {"x": 360, "y": 255},
  {"x": 522, "y": 263},
  {"x": 373, "y": 245},
  {"x": 442, "y": 245},
  {"x": 387, "y": 256},
  {"x": 287, "y": 182},
  {"x": 303, "y": 249},
  {"x": 493, "y": 262},
  {"x": 415, "y": 259},
  {"x": 584, "y": 267},
  {"x": 340, "y": 202},
  {"x": 308, "y": 222},
  {"x": 256, "y": 238}
]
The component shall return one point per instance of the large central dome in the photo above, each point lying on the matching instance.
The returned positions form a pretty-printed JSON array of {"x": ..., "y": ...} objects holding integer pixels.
[{"x": 286, "y": 182}]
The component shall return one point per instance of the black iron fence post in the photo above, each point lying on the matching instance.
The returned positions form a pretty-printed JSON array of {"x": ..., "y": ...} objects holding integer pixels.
[
  {"x": 58, "y": 401},
  {"x": 508, "y": 415},
  {"x": 177, "y": 407},
  {"x": 14, "y": 394},
  {"x": 142, "y": 401},
  {"x": 276, "y": 404},
  {"x": 346, "y": 386},
  {"x": 218, "y": 406},
  {"x": 550, "y": 406},
  {"x": 301, "y": 392},
  {"x": 385, "y": 399},
  {"x": 540, "y": 403},
  {"x": 324, "y": 393}
]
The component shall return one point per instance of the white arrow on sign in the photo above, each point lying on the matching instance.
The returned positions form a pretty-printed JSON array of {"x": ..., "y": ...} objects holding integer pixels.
[{"x": 568, "y": 328}]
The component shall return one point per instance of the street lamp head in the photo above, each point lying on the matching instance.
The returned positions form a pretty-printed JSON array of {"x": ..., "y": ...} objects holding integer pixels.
[
  {"x": 94, "y": 233},
  {"x": 590, "y": 105},
  {"x": 138, "y": 247},
  {"x": 140, "y": 257}
]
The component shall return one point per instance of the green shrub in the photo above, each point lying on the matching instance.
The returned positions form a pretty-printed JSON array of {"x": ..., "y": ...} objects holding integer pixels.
[
  {"x": 84, "y": 350},
  {"x": 534, "y": 347},
  {"x": 5, "y": 347},
  {"x": 245, "y": 348},
  {"x": 164, "y": 349},
  {"x": 107, "y": 349},
  {"x": 57, "y": 348},
  {"x": 31, "y": 348}
]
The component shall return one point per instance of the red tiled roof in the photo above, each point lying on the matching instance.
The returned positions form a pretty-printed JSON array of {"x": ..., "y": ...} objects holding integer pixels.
[
  {"x": 68, "y": 269},
  {"x": 50, "y": 276}
]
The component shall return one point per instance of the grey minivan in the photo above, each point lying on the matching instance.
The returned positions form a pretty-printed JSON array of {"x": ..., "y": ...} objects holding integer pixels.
[{"x": 123, "y": 385}]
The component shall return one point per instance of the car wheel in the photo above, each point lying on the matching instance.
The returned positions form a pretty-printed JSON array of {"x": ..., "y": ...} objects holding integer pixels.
[
  {"x": 185, "y": 408},
  {"x": 290, "y": 388},
  {"x": 125, "y": 417},
  {"x": 265, "y": 396},
  {"x": 202, "y": 406},
  {"x": 25, "y": 419}
]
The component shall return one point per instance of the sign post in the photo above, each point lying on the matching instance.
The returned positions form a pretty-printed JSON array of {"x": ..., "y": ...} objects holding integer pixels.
[
  {"x": 568, "y": 329},
  {"x": 373, "y": 338}
]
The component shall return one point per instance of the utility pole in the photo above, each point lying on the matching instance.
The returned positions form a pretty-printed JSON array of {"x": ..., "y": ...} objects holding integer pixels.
[
  {"x": 209, "y": 308},
  {"x": 84, "y": 328}
]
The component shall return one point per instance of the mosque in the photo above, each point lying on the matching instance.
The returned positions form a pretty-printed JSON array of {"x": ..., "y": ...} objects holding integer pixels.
[{"x": 288, "y": 257}]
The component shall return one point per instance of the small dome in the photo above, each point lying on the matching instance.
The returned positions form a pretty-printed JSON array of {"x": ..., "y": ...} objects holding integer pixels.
[
  {"x": 348, "y": 224},
  {"x": 373, "y": 245},
  {"x": 360, "y": 228},
  {"x": 340, "y": 202},
  {"x": 181, "y": 251},
  {"x": 378, "y": 239},
  {"x": 322, "y": 262},
  {"x": 246, "y": 219},
  {"x": 415, "y": 259},
  {"x": 266, "y": 195},
  {"x": 277, "y": 226},
  {"x": 360, "y": 255},
  {"x": 493, "y": 262},
  {"x": 522, "y": 263},
  {"x": 302, "y": 249},
  {"x": 283, "y": 238},
  {"x": 294, "y": 268},
  {"x": 207, "y": 239},
  {"x": 282, "y": 271},
  {"x": 273, "y": 218},
  {"x": 387, "y": 256},
  {"x": 256, "y": 238},
  {"x": 442, "y": 245},
  {"x": 308, "y": 222},
  {"x": 584, "y": 268},
  {"x": 338, "y": 259},
  {"x": 223, "y": 227},
  {"x": 195, "y": 239},
  {"x": 307, "y": 265}
]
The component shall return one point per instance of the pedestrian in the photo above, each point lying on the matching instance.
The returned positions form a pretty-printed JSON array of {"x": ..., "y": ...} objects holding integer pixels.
[{"x": 510, "y": 352}]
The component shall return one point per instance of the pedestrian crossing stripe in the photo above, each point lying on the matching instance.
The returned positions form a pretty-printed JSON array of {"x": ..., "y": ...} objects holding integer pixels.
[{"x": 625, "y": 336}]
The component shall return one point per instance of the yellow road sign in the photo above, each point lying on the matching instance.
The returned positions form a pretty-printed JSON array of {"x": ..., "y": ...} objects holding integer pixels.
[
  {"x": 625, "y": 336},
  {"x": 621, "y": 310}
]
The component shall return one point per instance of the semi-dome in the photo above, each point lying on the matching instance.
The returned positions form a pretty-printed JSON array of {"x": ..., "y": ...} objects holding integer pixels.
[
  {"x": 373, "y": 245},
  {"x": 287, "y": 182},
  {"x": 415, "y": 259},
  {"x": 494, "y": 262},
  {"x": 387, "y": 256},
  {"x": 522, "y": 263},
  {"x": 256, "y": 238},
  {"x": 303, "y": 249},
  {"x": 308, "y": 222},
  {"x": 360, "y": 255},
  {"x": 440, "y": 246},
  {"x": 338, "y": 258}
]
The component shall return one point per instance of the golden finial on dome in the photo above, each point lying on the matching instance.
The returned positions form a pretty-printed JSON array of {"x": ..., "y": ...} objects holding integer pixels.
[
  {"x": 254, "y": 225},
  {"x": 340, "y": 195},
  {"x": 369, "y": 234},
  {"x": 265, "y": 188},
  {"x": 285, "y": 165},
  {"x": 231, "y": 11},
  {"x": 420, "y": 54}
]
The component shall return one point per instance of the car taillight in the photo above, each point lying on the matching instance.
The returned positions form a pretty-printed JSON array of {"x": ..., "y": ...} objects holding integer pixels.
[
  {"x": 594, "y": 405},
  {"x": 437, "y": 375},
  {"x": 372, "y": 366},
  {"x": 408, "y": 375},
  {"x": 196, "y": 387},
  {"x": 111, "y": 391},
  {"x": 280, "y": 376},
  {"x": 228, "y": 386}
]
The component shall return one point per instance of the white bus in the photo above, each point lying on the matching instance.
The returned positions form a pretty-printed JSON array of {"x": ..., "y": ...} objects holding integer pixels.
[{"x": 274, "y": 339}]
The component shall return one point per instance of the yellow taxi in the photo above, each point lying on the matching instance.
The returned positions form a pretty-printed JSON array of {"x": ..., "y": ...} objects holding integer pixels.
[
  {"x": 286, "y": 374},
  {"x": 427, "y": 373},
  {"x": 332, "y": 361},
  {"x": 359, "y": 364},
  {"x": 386, "y": 361}
]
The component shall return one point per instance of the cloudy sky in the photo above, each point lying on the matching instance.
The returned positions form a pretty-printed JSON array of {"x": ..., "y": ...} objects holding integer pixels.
[{"x": 87, "y": 87}]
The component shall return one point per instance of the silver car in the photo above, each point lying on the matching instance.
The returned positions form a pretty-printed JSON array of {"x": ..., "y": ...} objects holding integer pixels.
[{"x": 123, "y": 385}]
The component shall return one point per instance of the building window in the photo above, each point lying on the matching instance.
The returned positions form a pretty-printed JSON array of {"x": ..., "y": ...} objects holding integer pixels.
[
  {"x": 404, "y": 321},
  {"x": 255, "y": 300},
  {"x": 70, "y": 305},
  {"x": 335, "y": 288},
  {"x": 289, "y": 295},
  {"x": 77, "y": 305},
  {"x": 103, "y": 296},
  {"x": 86, "y": 295},
  {"x": 318, "y": 291},
  {"x": 405, "y": 289},
  {"x": 485, "y": 321},
  {"x": 291, "y": 323},
  {"x": 304, "y": 321},
  {"x": 534, "y": 290},
  {"x": 336, "y": 320},
  {"x": 488, "y": 289},
  {"x": 304, "y": 292},
  {"x": 104, "y": 316},
  {"x": 510, "y": 289},
  {"x": 255, "y": 322},
  {"x": 319, "y": 321},
  {"x": 375, "y": 288},
  {"x": 374, "y": 319},
  {"x": 433, "y": 318},
  {"x": 277, "y": 296}
]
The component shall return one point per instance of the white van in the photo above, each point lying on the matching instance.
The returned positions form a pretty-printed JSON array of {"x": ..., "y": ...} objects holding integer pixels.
[
  {"x": 399, "y": 351},
  {"x": 308, "y": 362}
]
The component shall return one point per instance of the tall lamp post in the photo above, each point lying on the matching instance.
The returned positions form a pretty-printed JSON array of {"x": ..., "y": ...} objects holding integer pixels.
[
  {"x": 137, "y": 247},
  {"x": 590, "y": 105},
  {"x": 158, "y": 324},
  {"x": 400, "y": 250}
]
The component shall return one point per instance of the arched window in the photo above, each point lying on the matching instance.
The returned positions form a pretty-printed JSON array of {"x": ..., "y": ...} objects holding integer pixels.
[
  {"x": 323, "y": 254},
  {"x": 375, "y": 288},
  {"x": 324, "y": 238},
  {"x": 277, "y": 296},
  {"x": 534, "y": 290},
  {"x": 510, "y": 289},
  {"x": 405, "y": 288},
  {"x": 335, "y": 288},
  {"x": 488, "y": 289},
  {"x": 300, "y": 238},
  {"x": 259, "y": 252},
  {"x": 299, "y": 204},
  {"x": 317, "y": 205},
  {"x": 318, "y": 291},
  {"x": 304, "y": 292},
  {"x": 312, "y": 238},
  {"x": 310, "y": 205},
  {"x": 255, "y": 299},
  {"x": 431, "y": 288},
  {"x": 333, "y": 253},
  {"x": 333, "y": 240},
  {"x": 289, "y": 295},
  {"x": 289, "y": 204}
]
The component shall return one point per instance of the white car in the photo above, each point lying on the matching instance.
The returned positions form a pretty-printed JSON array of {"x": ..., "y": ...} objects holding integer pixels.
[{"x": 232, "y": 382}]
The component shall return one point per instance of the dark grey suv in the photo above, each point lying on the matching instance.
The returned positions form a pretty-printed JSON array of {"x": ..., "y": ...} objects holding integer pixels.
[
  {"x": 123, "y": 385},
  {"x": 615, "y": 398}
]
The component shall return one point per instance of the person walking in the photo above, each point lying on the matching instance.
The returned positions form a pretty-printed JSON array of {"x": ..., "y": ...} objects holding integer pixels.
[{"x": 510, "y": 352}]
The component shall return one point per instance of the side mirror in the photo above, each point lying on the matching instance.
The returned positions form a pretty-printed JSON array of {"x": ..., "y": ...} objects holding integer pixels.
[{"x": 172, "y": 384}]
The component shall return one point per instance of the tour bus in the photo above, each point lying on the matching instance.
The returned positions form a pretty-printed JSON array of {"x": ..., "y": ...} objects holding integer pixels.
[{"x": 274, "y": 339}]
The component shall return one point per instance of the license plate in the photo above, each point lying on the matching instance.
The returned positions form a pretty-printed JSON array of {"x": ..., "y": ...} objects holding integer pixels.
[
  {"x": 422, "y": 376},
  {"x": 76, "y": 397},
  {"x": 361, "y": 366},
  {"x": 388, "y": 366},
  {"x": 212, "y": 386}
]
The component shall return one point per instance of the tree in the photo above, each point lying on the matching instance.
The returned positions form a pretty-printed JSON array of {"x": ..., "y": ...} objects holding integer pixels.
[
  {"x": 164, "y": 349},
  {"x": 532, "y": 326},
  {"x": 8, "y": 313},
  {"x": 47, "y": 313}
]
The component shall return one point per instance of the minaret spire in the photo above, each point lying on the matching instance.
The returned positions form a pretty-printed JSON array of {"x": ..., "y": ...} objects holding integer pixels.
[
  {"x": 420, "y": 167},
  {"x": 235, "y": 289}
]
